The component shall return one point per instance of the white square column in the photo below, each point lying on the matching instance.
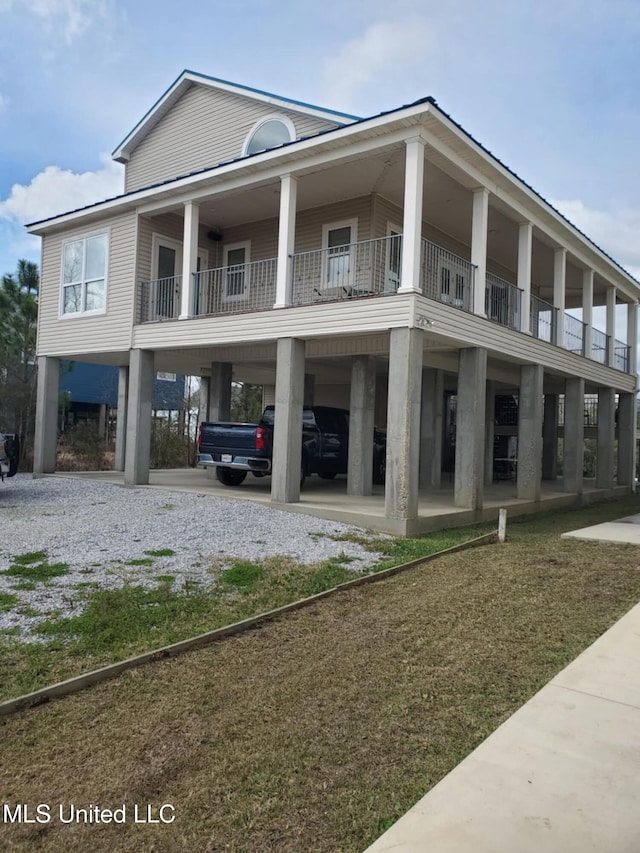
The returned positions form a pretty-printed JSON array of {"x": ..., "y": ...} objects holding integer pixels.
[
  {"x": 479, "y": 232},
  {"x": 46, "y": 436},
  {"x": 189, "y": 259},
  {"x": 632, "y": 336},
  {"x": 286, "y": 239},
  {"x": 287, "y": 430},
  {"x": 525, "y": 247},
  {"x": 412, "y": 216},
  {"x": 559, "y": 279},
  {"x": 611, "y": 325},
  {"x": 587, "y": 311},
  {"x": 573, "y": 442}
]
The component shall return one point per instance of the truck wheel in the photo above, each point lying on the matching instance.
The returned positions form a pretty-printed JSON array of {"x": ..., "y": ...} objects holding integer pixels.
[
  {"x": 379, "y": 468},
  {"x": 230, "y": 476}
]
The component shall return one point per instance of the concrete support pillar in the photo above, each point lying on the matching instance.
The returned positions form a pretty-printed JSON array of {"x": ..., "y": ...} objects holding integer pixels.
[
  {"x": 606, "y": 438},
  {"x": 573, "y": 455},
  {"x": 412, "y": 217},
  {"x": 220, "y": 391},
  {"x": 479, "y": 232},
  {"x": 530, "y": 432},
  {"x": 46, "y": 436},
  {"x": 361, "y": 423},
  {"x": 121, "y": 421},
  {"x": 203, "y": 398},
  {"x": 632, "y": 336},
  {"x": 431, "y": 428},
  {"x": 309, "y": 389},
  {"x": 525, "y": 247},
  {"x": 286, "y": 239},
  {"x": 138, "y": 435},
  {"x": 189, "y": 259},
  {"x": 550, "y": 438},
  {"x": 287, "y": 432},
  {"x": 489, "y": 434},
  {"x": 611, "y": 325},
  {"x": 470, "y": 427},
  {"x": 627, "y": 440},
  {"x": 102, "y": 421},
  {"x": 403, "y": 423},
  {"x": 559, "y": 279},
  {"x": 587, "y": 311}
]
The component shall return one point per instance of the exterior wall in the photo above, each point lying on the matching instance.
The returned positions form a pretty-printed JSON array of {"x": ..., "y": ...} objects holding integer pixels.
[
  {"x": 106, "y": 332},
  {"x": 204, "y": 128}
]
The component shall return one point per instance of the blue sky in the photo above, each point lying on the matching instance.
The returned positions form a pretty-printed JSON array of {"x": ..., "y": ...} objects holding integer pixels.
[{"x": 552, "y": 88}]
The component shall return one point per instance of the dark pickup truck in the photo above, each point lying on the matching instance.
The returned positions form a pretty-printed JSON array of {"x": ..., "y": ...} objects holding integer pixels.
[
  {"x": 235, "y": 449},
  {"x": 9, "y": 454}
]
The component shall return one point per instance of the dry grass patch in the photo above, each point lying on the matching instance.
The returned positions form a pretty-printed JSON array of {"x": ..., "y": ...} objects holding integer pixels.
[{"x": 315, "y": 732}]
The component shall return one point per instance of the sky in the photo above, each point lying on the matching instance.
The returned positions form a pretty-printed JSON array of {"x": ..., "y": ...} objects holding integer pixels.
[{"x": 552, "y": 88}]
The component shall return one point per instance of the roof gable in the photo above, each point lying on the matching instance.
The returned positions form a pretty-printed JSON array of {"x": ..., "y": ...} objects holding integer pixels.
[{"x": 188, "y": 79}]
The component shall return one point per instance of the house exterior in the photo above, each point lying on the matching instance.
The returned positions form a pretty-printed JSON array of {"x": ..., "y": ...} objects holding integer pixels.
[{"x": 391, "y": 265}]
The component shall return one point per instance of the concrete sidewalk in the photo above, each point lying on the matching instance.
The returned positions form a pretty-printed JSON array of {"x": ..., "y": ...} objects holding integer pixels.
[
  {"x": 562, "y": 775},
  {"x": 622, "y": 530}
]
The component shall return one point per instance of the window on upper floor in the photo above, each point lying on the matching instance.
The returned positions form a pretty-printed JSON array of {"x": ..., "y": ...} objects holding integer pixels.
[
  {"x": 268, "y": 133},
  {"x": 84, "y": 275}
]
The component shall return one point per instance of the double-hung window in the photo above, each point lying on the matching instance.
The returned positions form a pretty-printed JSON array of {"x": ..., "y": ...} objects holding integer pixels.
[{"x": 84, "y": 275}]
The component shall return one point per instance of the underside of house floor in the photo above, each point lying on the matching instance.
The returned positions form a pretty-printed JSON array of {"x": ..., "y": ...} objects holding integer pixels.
[{"x": 328, "y": 499}]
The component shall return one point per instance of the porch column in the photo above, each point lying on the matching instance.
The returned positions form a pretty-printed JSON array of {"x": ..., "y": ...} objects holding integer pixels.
[
  {"x": 632, "y": 336},
  {"x": 287, "y": 432},
  {"x": 138, "y": 434},
  {"x": 403, "y": 423},
  {"x": 587, "y": 311},
  {"x": 470, "y": 427},
  {"x": 412, "y": 217},
  {"x": 611, "y": 325},
  {"x": 479, "y": 232},
  {"x": 606, "y": 438},
  {"x": 550, "y": 438},
  {"x": 121, "y": 421},
  {"x": 489, "y": 435},
  {"x": 361, "y": 422},
  {"x": 559, "y": 279},
  {"x": 525, "y": 247},
  {"x": 573, "y": 455},
  {"x": 286, "y": 239},
  {"x": 529, "y": 473},
  {"x": 220, "y": 391},
  {"x": 189, "y": 259},
  {"x": 431, "y": 428},
  {"x": 627, "y": 440},
  {"x": 46, "y": 435}
]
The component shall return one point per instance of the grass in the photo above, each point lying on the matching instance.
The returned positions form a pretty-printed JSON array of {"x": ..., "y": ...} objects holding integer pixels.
[
  {"x": 161, "y": 552},
  {"x": 7, "y": 601},
  {"x": 316, "y": 731},
  {"x": 34, "y": 567}
]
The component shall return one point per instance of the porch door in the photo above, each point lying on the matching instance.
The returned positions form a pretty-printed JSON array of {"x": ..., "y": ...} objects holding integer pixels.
[
  {"x": 394, "y": 256},
  {"x": 338, "y": 274},
  {"x": 167, "y": 292}
]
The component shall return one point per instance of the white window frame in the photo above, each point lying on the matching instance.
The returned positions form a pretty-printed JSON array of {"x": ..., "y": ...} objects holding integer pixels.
[
  {"x": 391, "y": 284},
  {"x": 326, "y": 230},
  {"x": 274, "y": 117},
  {"x": 230, "y": 247},
  {"x": 69, "y": 315}
]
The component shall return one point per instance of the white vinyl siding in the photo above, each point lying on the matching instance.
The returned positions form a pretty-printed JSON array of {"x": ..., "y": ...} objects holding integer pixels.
[{"x": 204, "y": 128}]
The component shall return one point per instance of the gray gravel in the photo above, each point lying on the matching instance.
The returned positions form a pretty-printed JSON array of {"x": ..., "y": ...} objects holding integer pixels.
[{"x": 96, "y": 528}]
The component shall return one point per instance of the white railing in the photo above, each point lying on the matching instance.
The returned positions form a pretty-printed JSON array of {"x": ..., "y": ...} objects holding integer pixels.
[
  {"x": 599, "y": 346},
  {"x": 366, "y": 268},
  {"x": 543, "y": 320},
  {"x": 573, "y": 334},
  {"x": 446, "y": 277},
  {"x": 159, "y": 300},
  {"x": 502, "y": 301},
  {"x": 242, "y": 287},
  {"x": 621, "y": 352}
]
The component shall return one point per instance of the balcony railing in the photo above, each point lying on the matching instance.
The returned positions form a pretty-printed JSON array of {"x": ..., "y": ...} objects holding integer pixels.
[
  {"x": 446, "y": 277},
  {"x": 621, "y": 353},
  {"x": 502, "y": 301},
  {"x": 159, "y": 299},
  {"x": 573, "y": 334},
  {"x": 543, "y": 321},
  {"x": 366, "y": 268},
  {"x": 241, "y": 287},
  {"x": 599, "y": 346}
]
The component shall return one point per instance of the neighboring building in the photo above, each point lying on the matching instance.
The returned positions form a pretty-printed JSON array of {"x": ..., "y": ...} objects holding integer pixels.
[{"x": 390, "y": 264}]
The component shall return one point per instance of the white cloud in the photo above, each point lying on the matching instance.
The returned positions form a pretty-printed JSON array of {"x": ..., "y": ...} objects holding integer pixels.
[
  {"x": 70, "y": 17},
  {"x": 56, "y": 190},
  {"x": 381, "y": 49},
  {"x": 615, "y": 232}
]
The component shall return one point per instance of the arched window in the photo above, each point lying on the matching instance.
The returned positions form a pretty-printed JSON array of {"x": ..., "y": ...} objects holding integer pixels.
[{"x": 269, "y": 132}]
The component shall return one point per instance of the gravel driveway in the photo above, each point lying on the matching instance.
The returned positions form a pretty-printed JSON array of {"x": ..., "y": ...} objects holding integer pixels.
[{"x": 97, "y": 528}]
